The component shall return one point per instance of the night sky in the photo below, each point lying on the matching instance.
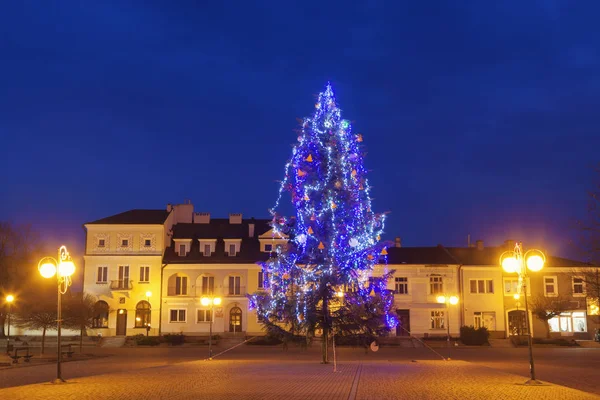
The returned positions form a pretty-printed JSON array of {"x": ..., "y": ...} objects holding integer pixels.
[{"x": 478, "y": 118}]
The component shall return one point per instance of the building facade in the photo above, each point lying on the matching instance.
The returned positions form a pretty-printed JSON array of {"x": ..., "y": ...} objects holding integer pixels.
[{"x": 150, "y": 269}]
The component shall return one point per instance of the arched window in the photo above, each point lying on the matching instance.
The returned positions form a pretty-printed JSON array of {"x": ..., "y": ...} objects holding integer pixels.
[
  {"x": 142, "y": 314},
  {"x": 178, "y": 285},
  {"x": 100, "y": 315}
]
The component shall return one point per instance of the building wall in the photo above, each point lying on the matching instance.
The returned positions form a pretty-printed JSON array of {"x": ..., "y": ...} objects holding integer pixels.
[{"x": 486, "y": 307}]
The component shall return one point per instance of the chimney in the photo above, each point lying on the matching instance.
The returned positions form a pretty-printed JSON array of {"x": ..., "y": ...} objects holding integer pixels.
[
  {"x": 397, "y": 242},
  {"x": 235, "y": 218},
  {"x": 184, "y": 213},
  {"x": 251, "y": 227},
  {"x": 509, "y": 244},
  {"x": 169, "y": 207},
  {"x": 202, "y": 218},
  {"x": 479, "y": 244}
]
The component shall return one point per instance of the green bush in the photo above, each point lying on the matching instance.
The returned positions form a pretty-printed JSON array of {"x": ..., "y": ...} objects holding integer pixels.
[
  {"x": 174, "y": 339},
  {"x": 555, "y": 341},
  {"x": 142, "y": 340},
  {"x": 474, "y": 337}
]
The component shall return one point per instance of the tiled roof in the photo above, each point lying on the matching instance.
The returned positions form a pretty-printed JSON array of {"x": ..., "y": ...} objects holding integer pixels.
[
  {"x": 146, "y": 217},
  {"x": 491, "y": 256},
  {"x": 419, "y": 255},
  {"x": 219, "y": 228}
]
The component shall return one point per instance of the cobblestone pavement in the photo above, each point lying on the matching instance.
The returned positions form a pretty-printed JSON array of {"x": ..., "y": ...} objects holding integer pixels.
[{"x": 300, "y": 379}]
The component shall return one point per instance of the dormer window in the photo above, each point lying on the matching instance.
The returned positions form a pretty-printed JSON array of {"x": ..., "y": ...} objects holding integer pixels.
[
  {"x": 268, "y": 247},
  {"x": 101, "y": 242},
  {"x": 207, "y": 250},
  {"x": 232, "y": 251},
  {"x": 124, "y": 242},
  {"x": 182, "y": 250}
]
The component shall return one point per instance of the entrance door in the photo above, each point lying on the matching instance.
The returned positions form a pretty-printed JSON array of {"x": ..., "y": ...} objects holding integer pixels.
[
  {"x": 516, "y": 322},
  {"x": 403, "y": 328},
  {"x": 124, "y": 277},
  {"x": 235, "y": 320},
  {"x": 121, "y": 322}
]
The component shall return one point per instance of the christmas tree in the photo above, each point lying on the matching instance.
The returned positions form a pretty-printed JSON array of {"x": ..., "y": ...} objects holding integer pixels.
[{"x": 321, "y": 280}]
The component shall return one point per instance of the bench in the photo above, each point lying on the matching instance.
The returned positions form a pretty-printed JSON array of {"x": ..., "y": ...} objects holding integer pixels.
[
  {"x": 15, "y": 357},
  {"x": 66, "y": 349}
]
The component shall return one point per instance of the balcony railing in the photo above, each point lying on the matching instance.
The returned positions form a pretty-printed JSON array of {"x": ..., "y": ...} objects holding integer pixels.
[
  {"x": 234, "y": 291},
  {"x": 121, "y": 284}
]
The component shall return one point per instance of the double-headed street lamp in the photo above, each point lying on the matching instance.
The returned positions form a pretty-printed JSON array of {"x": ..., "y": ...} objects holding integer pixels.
[
  {"x": 515, "y": 261},
  {"x": 212, "y": 302},
  {"x": 63, "y": 267},
  {"x": 448, "y": 300},
  {"x": 9, "y": 300}
]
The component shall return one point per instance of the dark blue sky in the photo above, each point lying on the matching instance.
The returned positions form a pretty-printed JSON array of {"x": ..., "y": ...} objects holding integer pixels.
[{"x": 478, "y": 118}]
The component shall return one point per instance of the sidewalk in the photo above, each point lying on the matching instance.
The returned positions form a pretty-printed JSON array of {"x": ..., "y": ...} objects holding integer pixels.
[{"x": 291, "y": 380}]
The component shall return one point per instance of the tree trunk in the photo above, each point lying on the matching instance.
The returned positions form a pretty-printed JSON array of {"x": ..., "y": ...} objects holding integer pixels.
[
  {"x": 81, "y": 339},
  {"x": 2, "y": 322},
  {"x": 43, "y": 339},
  {"x": 547, "y": 329},
  {"x": 325, "y": 337}
]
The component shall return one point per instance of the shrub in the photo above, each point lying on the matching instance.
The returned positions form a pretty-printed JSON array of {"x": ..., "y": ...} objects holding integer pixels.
[
  {"x": 557, "y": 341},
  {"x": 142, "y": 340},
  {"x": 174, "y": 339},
  {"x": 474, "y": 337},
  {"x": 265, "y": 341}
]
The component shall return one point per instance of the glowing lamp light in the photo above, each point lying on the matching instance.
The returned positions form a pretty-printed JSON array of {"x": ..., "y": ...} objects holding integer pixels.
[
  {"x": 138, "y": 319},
  {"x": 10, "y": 298},
  {"x": 217, "y": 301},
  {"x": 516, "y": 296},
  {"x": 441, "y": 299},
  {"x": 339, "y": 294},
  {"x": 66, "y": 268},
  {"x": 453, "y": 300},
  {"x": 148, "y": 294},
  {"x": 47, "y": 270},
  {"x": 535, "y": 263},
  {"x": 510, "y": 265},
  {"x": 205, "y": 301}
]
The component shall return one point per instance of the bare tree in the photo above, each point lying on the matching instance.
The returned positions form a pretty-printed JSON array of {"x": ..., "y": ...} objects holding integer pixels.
[
  {"x": 41, "y": 316},
  {"x": 79, "y": 313},
  {"x": 546, "y": 308},
  {"x": 19, "y": 248}
]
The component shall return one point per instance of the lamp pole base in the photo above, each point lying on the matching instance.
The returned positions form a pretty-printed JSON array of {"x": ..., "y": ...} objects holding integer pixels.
[
  {"x": 533, "y": 382},
  {"x": 58, "y": 381}
]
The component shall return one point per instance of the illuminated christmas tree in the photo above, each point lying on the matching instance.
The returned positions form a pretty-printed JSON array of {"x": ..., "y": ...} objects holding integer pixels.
[{"x": 321, "y": 280}]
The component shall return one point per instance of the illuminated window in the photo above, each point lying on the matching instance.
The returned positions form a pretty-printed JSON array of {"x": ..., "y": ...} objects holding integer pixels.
[
  {"x": 436, "y": 284},
  {"x": 437, "y": 320},
  {"x": 481, "y": 286},
  {"x": 550, "y": 286},
  {"x": 401, "y": 285},
  {"x": 569, "y": 322},
  {"x": 178, "y": 315},
  {"x": 142, "y": 314},
  {"x": 100, "y": 315}
]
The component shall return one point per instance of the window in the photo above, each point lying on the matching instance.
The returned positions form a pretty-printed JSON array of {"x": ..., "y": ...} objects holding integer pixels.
[
  {"x": 100, "y": 315},
  {"x": 207, "y": 250},
  {"x": 147, "y": 242},
  {"x": 177, "y": 315},
  {"x": 511, "y": 287},
  {"x": 144, "y": 274},
  {"x": 181, "y": 285},
  {"x": 142, "y": 314},
  {"x": 204, "y": 315},
  {"x": 182, "y": 250},
  {"x": 436, "y": 284},
  {"x": 550, "y": 286},
  {"x": 437, "y": 320},
  {"x": 234, "y": 285},
  {"x": 484, "y": 319},
  {"x": 268, "y": 247},
  {"x": 481, "y": 286},
  {"x": 208, "y": 285},
  {"x": 102, "y": 276},
  {"x": 101, "y": 243},
  {"x": 261, "y": 279},
  {"x": 232, "y": 250},
  {"x": 125, "y": 243},
  {"x": 569, "y": 322},
  {"x": 578, "y": 287},
  {"x": 401, "y": 285}
]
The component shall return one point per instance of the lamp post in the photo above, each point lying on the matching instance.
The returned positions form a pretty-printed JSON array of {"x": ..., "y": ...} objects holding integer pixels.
[
  {"x": 63, "y": 267},
  {"x": 448, "y": 300},
  {"x": 212, "y": 302},
  {"x": 515, "y": 261},
  {"x": 9, "y": 300},
  {"x": 148, "y": 295}
]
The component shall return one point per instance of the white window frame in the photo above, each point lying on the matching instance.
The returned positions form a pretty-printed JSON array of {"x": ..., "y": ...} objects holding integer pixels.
[
  {"x": 270, "y": 247},
  {"x": 204, "y": 312},
  {"x": 479, "y": 320},
  {"x": 510, "y": 278},
  {"x": 439, "y": 316},
  {"x": 104, "y": 274},
  {"x": 178, "y": 321},
  {"x": 567, "y": 320},
  {"x": 144, "y": 274},
  {"x": 486, "y": 286},
  {"x": 401, "y": 283},
  {"x": 438, "y": 282},
  {"x": 232, "y": 245},
  {"x": 182, "y": 287},
  {"x": 582, "y": 283},
  {"x": 206, "y": 288},
  {"x": 554, "y": 284},
  {"x": 102, "y": 243}
]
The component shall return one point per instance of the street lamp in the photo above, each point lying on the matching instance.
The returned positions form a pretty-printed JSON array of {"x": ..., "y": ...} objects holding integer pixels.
[
  {"x": 148, "y": 295},
  {"x": 63, "y": 267},
  {"x": 212, "y": 302},
  {"x": 448, "y": 300},
  {"x": 9, "y": 299},
  {"x": 514, "y": 261}
]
